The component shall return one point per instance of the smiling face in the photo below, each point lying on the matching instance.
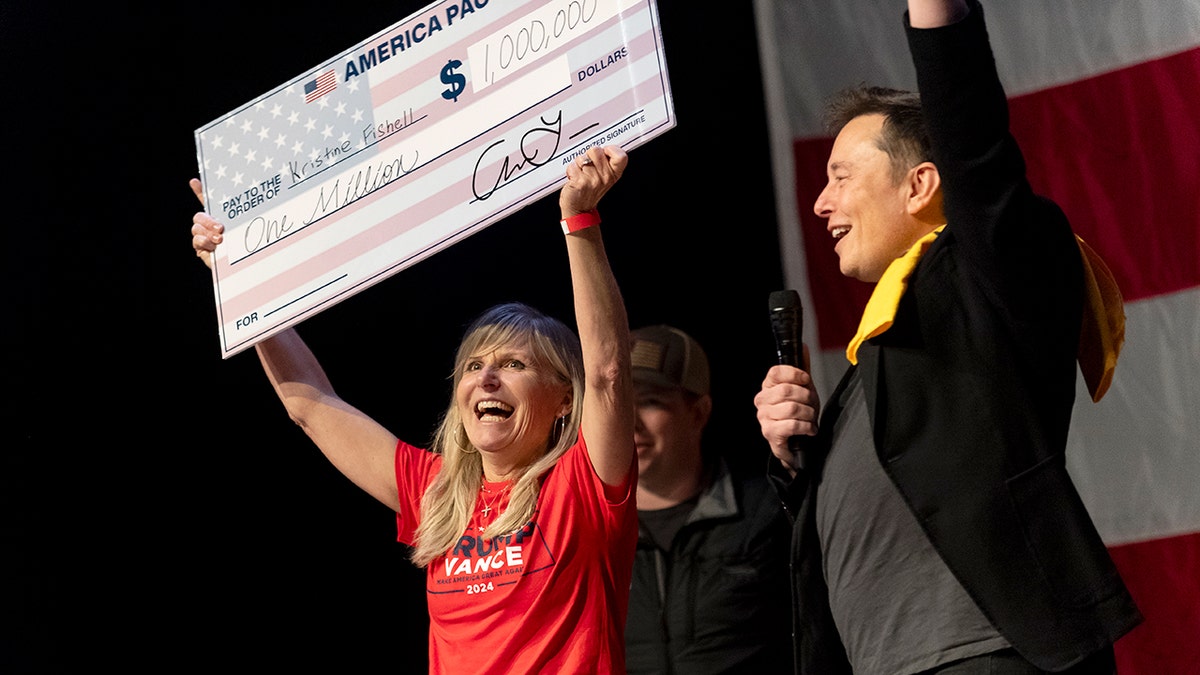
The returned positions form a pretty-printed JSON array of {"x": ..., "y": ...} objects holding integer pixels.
[
  {"x": 508, "y": 402},
  {"x": 868, "y": 210},
  {"x": 667, "y": 434}
]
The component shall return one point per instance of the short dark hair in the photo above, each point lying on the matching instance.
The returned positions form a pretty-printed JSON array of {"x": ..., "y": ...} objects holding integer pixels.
[{"x": 904, "y": 137}]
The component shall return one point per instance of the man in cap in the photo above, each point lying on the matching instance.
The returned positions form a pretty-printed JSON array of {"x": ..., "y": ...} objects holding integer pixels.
[{"x": 710, "y": 587}]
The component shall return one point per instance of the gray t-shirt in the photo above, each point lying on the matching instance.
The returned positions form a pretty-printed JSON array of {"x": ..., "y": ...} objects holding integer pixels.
[{"x": 896, "y": 604}]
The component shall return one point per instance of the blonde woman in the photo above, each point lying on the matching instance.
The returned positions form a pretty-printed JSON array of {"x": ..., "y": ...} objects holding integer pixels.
[{"x": 523, "y": 512}]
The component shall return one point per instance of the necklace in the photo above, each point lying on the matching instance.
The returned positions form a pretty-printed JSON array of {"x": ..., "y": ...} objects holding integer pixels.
[{"x": 497, "y": 495}]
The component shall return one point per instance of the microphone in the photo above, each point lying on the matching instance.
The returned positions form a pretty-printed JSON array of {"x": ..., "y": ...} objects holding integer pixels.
[{"x": 786, "y": 323}]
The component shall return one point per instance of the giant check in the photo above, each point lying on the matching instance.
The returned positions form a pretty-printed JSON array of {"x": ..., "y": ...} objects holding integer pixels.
[{"x": 416, "y": 138}]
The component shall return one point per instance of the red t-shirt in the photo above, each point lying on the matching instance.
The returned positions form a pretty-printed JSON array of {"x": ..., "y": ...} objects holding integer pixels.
[{"x": 549, "y": 598}]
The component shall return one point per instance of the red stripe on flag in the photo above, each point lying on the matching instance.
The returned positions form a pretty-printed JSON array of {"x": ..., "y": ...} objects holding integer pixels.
[
  {"x": 1161, "y": 575},
  {"x": 1120, "y": 152}
]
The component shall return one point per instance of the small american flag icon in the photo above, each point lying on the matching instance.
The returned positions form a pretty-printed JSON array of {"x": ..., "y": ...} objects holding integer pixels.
[{"x": 319, "y": 86}]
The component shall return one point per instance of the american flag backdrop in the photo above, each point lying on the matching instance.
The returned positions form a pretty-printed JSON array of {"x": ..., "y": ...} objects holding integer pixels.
[{"x": 1105, "y": 102}]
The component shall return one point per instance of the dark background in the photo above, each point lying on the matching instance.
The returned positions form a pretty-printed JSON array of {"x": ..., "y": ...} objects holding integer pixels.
[{"x": 160, "y": 512}]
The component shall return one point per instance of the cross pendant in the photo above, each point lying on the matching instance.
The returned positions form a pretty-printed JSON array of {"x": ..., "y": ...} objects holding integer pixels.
[{"x": 486, "y": 510}]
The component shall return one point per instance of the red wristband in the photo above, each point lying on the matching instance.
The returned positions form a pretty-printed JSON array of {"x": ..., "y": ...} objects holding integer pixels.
[{"x": 580, "y": 221}]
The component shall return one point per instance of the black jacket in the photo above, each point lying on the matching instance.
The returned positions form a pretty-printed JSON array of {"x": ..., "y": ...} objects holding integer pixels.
[{"x": 718, "y": 601}]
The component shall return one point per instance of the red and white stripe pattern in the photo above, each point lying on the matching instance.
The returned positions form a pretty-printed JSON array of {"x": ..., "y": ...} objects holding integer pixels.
[
  {"x": 319, "y": 86},
  {"x": 1105, "y": 101}
]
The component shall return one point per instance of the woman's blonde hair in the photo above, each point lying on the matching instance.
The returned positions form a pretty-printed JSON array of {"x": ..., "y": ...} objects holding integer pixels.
[{"x": 447, "y": 505}]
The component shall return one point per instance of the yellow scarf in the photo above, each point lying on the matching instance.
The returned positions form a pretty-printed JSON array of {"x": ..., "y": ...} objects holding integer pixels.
[
  {"x": 1100, "y": 337},
  {"x": 1103, "y": 332},
  {"x": 881, "y": 306}
]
